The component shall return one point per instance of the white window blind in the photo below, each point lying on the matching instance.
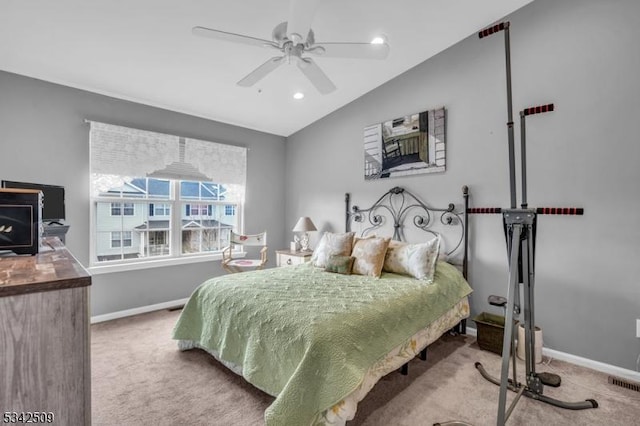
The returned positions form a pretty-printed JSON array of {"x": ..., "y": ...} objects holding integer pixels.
[{"x": 120, "y": 153}]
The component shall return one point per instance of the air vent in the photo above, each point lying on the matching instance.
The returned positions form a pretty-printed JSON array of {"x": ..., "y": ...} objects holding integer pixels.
[{"x": 624, "y": 383}]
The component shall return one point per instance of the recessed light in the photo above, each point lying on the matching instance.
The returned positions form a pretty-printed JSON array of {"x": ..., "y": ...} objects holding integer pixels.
[
  {"x": 298, "y": 95},
  {"x": 377, "y": 40}
]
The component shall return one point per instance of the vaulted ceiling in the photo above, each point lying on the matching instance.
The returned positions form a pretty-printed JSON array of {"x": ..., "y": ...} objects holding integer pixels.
[{"x": 145, "y": 51}]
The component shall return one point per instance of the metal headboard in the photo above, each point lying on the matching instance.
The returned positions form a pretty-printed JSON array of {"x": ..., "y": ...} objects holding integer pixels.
[{"x": 398, "y": 205}]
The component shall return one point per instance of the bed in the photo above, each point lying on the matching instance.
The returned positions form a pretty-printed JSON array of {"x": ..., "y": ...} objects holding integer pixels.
[{"x": 319, "y": 341}]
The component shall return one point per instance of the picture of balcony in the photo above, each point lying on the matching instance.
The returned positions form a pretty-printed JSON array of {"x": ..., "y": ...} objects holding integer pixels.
[{"x": 411, "y": 144}]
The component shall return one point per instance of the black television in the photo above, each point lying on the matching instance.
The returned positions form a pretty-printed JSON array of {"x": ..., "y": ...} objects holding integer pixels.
[{"x": 52, "y": 198}]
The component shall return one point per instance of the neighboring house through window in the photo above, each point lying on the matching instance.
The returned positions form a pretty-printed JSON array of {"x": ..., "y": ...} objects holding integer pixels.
[{"x": 145, "y": 206}]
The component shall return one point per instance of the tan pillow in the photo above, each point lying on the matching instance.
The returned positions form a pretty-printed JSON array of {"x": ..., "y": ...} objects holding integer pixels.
[
  {"x": 416, "y": 260},
  {"x": 332, "y": 245},
  {"x": 369, "y": 254}
]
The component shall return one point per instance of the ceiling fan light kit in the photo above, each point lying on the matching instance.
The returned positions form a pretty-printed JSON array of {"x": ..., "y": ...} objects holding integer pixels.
[{"x": 287, "y": 38}]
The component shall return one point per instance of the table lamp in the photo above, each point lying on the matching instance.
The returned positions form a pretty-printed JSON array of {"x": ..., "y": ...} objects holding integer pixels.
[{"x": 304, "y": 226}]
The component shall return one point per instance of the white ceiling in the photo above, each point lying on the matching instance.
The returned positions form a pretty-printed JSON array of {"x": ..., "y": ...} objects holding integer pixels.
[{"x": 144, "y": 51}]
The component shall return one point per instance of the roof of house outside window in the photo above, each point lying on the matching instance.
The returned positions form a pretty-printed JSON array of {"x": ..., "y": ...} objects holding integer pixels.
[
  {"x": 157, "y": 225},
  {"x": 161, "y": 188}
]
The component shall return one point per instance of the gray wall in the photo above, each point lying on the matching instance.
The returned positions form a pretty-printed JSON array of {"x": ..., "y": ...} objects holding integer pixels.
[
  {"x": 43, "y": 139},
  {"x": 583, "y": 57}
]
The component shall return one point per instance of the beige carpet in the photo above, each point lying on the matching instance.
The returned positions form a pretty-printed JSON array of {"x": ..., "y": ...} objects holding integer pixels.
[{"x": 140, "y": 378}]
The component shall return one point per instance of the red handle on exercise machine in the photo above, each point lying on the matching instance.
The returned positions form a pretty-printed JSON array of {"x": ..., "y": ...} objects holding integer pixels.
[
  {"x": 573, "y": 211},
  {"x": 537, "y": 109},
  {"x": 488, "y": 31},
  {"x": 561, "y": 210},
  {"x": 484, "y": 210}
]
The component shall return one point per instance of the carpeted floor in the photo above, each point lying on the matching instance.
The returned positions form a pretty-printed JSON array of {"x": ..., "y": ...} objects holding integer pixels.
[{"x": 140, "y": 378}]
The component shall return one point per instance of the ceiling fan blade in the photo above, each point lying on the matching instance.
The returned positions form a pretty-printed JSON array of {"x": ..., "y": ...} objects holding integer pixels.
[
  {"x": 259, "y": 73},
  {"x": 235, "y": 38},
  {"x": 350, "y": 50},
  {"x": 317, "y": 77},
  {"x": 300, "y": 15}
]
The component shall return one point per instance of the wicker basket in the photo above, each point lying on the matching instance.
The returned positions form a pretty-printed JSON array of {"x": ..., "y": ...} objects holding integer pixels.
[{"x": 490, "y": 331}]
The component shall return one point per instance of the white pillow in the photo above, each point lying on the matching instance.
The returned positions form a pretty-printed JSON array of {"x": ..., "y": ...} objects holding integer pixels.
[
  {"x": 443, "y": 256},
  {"x": 416, "y": 260},
  {"x": 332, "y": 245}
]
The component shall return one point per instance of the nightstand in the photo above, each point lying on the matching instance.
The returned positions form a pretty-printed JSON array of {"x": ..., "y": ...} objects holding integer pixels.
[{"x": 288, "y": 257}]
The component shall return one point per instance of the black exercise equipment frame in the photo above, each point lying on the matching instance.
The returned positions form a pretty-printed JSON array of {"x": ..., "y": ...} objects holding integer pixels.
[{"x": 520, "y": 232}]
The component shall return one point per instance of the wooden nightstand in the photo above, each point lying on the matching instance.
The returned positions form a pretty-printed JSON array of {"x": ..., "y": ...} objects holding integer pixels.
[{"x": 288, "y": 257}]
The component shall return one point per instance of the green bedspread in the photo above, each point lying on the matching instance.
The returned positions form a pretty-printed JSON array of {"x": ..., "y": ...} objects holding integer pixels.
[{"x": 307, "y": 336}]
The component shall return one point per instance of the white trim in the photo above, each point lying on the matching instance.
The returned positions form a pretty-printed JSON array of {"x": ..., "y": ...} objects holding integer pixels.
[
  {"x": 472, "y": 332},
  {"x": 136, "y": 311},
  {"x": 157, "y": 263},
  {"x": 583, "y": 362},
  {"x": 594, "y": 365}
]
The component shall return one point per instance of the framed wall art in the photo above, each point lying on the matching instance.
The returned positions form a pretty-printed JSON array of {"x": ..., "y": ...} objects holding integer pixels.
[{"x": 408, "y": 145}]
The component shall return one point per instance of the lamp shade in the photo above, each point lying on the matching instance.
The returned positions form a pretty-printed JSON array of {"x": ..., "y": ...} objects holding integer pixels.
[{"x": 304, "y": 225}]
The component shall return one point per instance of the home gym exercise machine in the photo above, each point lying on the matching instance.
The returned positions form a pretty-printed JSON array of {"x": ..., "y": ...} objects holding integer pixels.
[{"x": 520, "y": 232}]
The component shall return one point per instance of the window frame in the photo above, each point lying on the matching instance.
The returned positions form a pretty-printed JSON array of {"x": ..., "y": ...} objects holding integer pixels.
[
  {"x": 116, "y": 207},
  {"x": 121, "y": 239},
  {"x": 175, "y": 256},
  {"x": 230, "y": 207},
  {"x": 130, "y": 207},
  {"x": 165, "y": 210},
  {"x": 122, "y": 207},
  {"x": 113, "y": 239},
  {"x": 126, "y": 236}
]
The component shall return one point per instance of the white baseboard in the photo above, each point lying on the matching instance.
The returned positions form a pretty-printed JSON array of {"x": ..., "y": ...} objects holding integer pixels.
[
  {"x": 623, "y": 373},
  {"x": 140, "y": 310}
]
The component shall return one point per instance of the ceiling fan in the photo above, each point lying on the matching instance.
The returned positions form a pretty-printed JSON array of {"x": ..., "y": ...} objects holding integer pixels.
[{"x": 295, "y": 38}]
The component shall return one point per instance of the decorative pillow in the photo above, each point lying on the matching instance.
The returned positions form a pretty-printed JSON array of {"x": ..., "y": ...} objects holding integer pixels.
[
  {"x": 340, "y": 264},
  {"x": 332, "y": 244},
  {"x": 369, "y": 254},
  {"x": 416, "y": 260},
  {"x": 442, "y": 252}
]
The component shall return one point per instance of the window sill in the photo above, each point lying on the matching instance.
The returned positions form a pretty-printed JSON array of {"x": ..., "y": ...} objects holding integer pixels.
[{"x": 159, "y": 263}]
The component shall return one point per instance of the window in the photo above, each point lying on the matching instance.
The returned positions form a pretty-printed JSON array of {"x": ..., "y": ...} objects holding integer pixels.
[
  {"x": 157, "y": 196},
  {"x": 121, "y": 239},
  {"x": 119, "y": 209},
  {"x": 198, "y": 209},
  {"x": 159, "y": 209},
  {"x": 116, "y": 239}
]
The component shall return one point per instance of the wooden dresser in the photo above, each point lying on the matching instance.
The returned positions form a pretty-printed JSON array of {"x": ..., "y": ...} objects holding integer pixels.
[{"x": 44, "y": 335}]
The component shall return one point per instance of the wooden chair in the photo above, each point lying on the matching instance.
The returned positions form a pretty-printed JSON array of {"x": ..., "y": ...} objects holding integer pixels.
[
  {"x": 232, "y": 265},
  {"x": 392, "y": 148}
]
